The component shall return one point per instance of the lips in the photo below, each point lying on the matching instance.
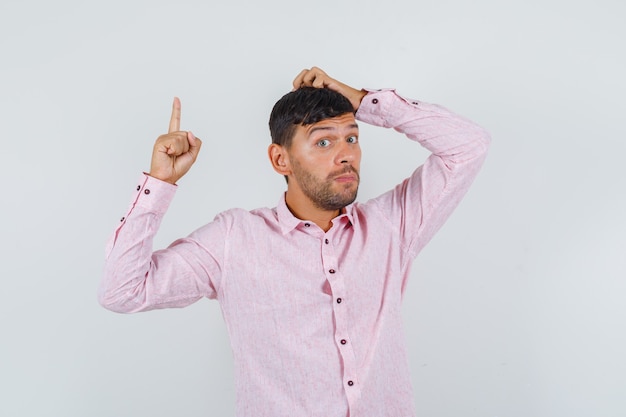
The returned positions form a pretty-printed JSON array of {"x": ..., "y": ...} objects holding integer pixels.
[
  {"x": 345, "y": 175},
  {"x": 346, "y": 178}
]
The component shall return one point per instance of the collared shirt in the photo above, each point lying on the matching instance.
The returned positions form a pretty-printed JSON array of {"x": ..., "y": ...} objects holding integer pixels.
[{"x": 314, "y": 317}]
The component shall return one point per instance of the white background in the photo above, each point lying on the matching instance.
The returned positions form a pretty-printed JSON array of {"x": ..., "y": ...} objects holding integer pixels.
[{"x": 515, "y": 309}]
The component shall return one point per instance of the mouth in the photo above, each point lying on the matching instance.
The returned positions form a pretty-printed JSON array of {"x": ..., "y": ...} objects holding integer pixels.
[
  {"x": 346, "y": 178},
  {"x": 347, "y": 174}
]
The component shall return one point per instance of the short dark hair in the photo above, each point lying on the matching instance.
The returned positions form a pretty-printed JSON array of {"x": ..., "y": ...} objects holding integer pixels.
[{"x": 304, "y": 106}]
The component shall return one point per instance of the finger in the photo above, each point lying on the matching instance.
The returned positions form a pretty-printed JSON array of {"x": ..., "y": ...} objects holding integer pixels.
[
  {"x": 319, "y": 82},
  {"x": 180, "y": 146},
  {"x": 316, "y": 78},
  {"x": 173, "y": 143},
  {"x": 175, "y": 119},
  {"x": 194, "y": 144},
  {"x": 297, "y": 82},
  {"x": 309, "y": 78}
]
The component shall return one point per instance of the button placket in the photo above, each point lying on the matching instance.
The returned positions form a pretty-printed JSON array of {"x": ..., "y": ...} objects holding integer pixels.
[
  {"x": 342, "y": 326},
  {"x": 340, "y": 306}
]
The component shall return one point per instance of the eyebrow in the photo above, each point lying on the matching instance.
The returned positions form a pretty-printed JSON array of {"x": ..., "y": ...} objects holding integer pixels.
[{"x": 352, "y": 126}]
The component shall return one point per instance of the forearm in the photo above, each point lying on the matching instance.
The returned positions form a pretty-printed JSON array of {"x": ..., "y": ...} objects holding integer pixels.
[
  {"x": 444, "y": 133},
  {"x": 421, "y": 204},
  {"x": 128, "y": 261}
]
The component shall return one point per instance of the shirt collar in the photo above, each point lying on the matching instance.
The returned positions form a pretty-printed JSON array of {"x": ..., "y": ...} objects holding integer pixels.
[{"x": 288, "y": 221}]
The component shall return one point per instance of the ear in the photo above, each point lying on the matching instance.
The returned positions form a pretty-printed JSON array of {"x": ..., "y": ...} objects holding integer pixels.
[{"x": 279, "y": 158}]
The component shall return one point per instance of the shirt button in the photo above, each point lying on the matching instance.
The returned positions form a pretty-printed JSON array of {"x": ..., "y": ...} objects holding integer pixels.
[
  {"x": 138, "y": 187},
  {"x": 326, "y": 241},
  {"x": 375, "y": 101},
  {"x": 416, "y": 103},
  {"x": 350, "y": 383},
  {"x": 344, "y": 341},
  {"x": 307, "y": 224},
  {"x": 332, "y": 271},
  {"x": 339, "y": 300},
  {"x": 146, "y": 191},
  {"x": 122, "y": 219}
]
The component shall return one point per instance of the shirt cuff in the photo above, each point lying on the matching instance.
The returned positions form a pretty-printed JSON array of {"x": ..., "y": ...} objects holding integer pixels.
[
  {"x": 154, "y": 195},
  {"x": 382, "y": 106}
]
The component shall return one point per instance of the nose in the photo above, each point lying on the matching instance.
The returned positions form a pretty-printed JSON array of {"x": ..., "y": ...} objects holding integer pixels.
[{"x": 347, "y": 153}]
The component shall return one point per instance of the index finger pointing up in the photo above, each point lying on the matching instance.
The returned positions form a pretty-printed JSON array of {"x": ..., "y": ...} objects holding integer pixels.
[{"x": 175, "y": 120}]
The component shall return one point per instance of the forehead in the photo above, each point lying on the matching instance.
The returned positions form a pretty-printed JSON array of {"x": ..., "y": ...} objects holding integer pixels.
[{"x": 342, "y": 122}]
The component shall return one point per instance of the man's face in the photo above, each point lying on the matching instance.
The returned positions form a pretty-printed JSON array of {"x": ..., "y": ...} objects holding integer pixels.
[{"x": 325, "y": 158}]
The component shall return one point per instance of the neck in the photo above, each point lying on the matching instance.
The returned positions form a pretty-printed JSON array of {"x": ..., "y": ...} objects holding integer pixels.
[{"x": 303, "y": 209}]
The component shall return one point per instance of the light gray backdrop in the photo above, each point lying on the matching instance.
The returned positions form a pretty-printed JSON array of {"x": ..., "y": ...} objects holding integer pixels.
[{"x": 515, "y": 309}]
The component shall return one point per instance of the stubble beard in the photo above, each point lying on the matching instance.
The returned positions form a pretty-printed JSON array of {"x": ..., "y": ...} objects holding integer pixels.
[{"x": 321, "y": 192}]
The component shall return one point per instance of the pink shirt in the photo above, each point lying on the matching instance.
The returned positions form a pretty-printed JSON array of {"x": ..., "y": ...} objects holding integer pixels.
[{"x": 314, "y": 318}]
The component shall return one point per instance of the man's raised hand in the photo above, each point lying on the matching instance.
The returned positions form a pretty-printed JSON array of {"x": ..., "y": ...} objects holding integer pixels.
[
  {"x": 175, "y": 152},
  {"x": 317, "y": 78}
]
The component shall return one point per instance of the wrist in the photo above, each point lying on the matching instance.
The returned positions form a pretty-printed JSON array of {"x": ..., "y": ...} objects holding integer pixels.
[
  {"x": 162, "y": 178},
  {"x": 357, "y": 97}
]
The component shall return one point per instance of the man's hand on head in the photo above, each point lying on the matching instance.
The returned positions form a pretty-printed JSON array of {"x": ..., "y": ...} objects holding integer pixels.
[
  {"x": 317, "y": 78},
  {"x": 175, "y": 152}
]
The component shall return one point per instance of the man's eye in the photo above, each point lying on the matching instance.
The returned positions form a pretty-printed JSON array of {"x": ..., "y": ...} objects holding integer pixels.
[
  {"x": 352, "y": 139},
  {"x": 323, "y": 143}
]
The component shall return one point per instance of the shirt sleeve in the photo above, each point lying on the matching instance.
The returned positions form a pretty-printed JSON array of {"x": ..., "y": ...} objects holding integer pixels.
[
  {"x": 137, "y": 279},
  {"x": 419, "y": 206}
]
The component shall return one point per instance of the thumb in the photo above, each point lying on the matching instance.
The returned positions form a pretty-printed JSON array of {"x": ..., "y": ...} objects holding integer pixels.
[{"x": 194, "y": 143}]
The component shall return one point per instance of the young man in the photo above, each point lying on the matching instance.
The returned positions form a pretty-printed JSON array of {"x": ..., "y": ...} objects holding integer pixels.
[{"x": 311, "y": 290}]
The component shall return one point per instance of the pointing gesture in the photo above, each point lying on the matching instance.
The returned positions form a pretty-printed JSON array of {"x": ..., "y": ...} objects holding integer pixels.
[
  {"x": 175, "y": 119},
  {"x": 175, "y": 152}
]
